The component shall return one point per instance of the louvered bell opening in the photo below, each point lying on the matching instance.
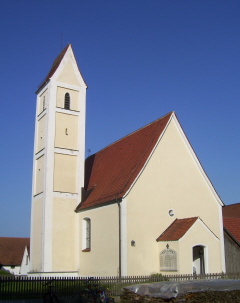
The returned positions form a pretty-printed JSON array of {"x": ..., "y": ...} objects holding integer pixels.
[{"x": 67, "y": 101}]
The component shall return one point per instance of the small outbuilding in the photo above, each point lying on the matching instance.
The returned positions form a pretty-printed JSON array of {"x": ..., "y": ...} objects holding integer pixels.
[{"x": 15, "y": 255}]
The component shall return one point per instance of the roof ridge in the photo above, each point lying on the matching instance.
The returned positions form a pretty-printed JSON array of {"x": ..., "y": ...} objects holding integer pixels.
[{"x": 135, "y": 131}]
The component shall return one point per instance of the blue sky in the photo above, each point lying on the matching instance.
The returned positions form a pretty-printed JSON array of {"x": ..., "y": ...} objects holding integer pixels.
[{"x": 140, "y": 59}]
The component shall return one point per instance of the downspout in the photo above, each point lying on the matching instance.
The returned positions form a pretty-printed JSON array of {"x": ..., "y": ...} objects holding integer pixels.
[{"x": 119, "y": 240}]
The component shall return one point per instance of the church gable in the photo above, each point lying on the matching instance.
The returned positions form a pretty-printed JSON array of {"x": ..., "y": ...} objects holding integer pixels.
[{"x": 173, "y": 184}]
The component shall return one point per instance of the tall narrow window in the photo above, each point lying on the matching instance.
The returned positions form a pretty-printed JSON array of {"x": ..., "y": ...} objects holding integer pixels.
[
  {"x": 67, "y": 101},
  {"x": 86, "y": 234},
  {"x": 43, "y": 102}
]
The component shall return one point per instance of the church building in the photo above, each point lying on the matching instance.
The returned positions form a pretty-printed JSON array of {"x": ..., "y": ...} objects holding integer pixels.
[{"x": 141, "y": 205}]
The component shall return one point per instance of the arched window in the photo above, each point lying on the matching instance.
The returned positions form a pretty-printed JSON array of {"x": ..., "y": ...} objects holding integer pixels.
[
  {"x": 168, "y": 260},
  {"x": 67, "y": 101},
  {"x": 86, "y": 234}
]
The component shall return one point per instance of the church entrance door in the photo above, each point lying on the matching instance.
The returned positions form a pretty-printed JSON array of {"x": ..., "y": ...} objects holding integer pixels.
[{"x": 198, "y": 260}]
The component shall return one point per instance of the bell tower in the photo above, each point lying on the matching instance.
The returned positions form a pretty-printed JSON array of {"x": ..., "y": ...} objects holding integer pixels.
[{"x": 58, "y": 167}]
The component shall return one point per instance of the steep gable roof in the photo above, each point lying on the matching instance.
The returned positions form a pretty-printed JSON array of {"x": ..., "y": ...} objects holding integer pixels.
[
  {"x": 54, "y": 67},
  {"x": 177, "y": 229},
  {"x": 110, "y": 172},
  {"x": 12, "y": 249}
]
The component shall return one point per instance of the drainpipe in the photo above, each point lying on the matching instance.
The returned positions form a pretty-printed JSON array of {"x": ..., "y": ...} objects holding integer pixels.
[{"x": 119, "y": 239}]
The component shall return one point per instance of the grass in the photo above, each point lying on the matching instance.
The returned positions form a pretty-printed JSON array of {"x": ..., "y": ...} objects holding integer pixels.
[{"x": 4, "y": 273}]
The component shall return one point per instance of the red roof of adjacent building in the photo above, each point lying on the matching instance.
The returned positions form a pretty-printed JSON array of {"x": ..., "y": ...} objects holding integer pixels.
[
  {"x": 177, "y": 229},
  {"x": 231, "y": 220},
  {"x": 12, "y": 249},
  {"x": 232, "y": 210},
  {"x": 233, "y": 227},
  {"x": 110, "y": 172}
]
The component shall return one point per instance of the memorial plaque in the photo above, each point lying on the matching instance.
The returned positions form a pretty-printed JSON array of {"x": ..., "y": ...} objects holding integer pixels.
[{"x": 168, "y": 260}]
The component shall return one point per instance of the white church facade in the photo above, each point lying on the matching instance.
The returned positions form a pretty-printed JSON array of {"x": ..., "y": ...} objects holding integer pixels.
[{"x": 142, "y": 205}]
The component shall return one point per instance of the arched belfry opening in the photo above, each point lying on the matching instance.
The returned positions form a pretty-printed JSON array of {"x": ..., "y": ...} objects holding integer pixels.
[
  {"x": 199, "y": 261},
  {"x": 67, "y": 101}
]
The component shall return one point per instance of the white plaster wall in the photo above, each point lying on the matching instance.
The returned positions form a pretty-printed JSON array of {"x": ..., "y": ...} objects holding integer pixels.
[
  {"x": 41, "y": 132},
  {"x": 64, "y": 248},
  {"x": 39, "y": 175},
  {"x": 103, "y": 258},
  {"x": 65, "y": 173},
  {"x": 66, "y": 135},
  {"x": 36, "y": 229}
]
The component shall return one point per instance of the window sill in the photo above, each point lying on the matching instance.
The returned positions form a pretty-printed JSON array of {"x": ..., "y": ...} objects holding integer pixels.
[{"x": 86, "y": 250}]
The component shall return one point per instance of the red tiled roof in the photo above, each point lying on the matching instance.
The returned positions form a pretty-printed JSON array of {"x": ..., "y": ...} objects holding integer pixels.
[
  {"x": 54, "y": 67},
  {"x": 231, "y": 220},
  {"x": 177, "y": 229},
  {"x": 232, "y": 210},
  {"x": 232, "y": 225},
  {"x": 12, "y": 249},
  {"x": 110, "y": 172}
]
